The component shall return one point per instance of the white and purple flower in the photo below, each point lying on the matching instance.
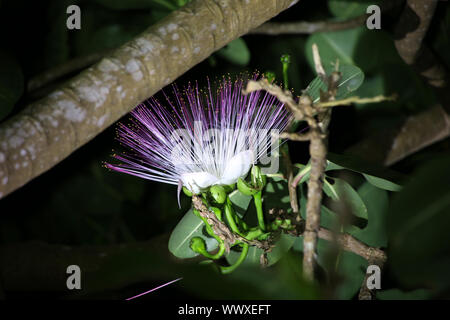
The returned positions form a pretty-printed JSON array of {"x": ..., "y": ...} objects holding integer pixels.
[{"x": 205, "y": 138}]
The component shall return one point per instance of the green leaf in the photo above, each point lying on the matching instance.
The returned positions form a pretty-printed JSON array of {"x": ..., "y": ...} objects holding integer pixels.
[
  {"x": 382, "y": 183},
  {"x": 377, "y": 201},
  {"x": 350, "y": 267},
  {"x": 240, "y": 202},
  {"x": 345, "y": 192},
  {"x": 351, "y": 79},
  {"x": 276, "y": 193},
  {"x": 346, "y": 9},
  {"x": 11, "y": 83},
  {"x": 418, "y": 228},
  {"x": 189, "y": 226},
  {"x": 353, "y": 47},
  {"x": 236, "y": 52},
  {"x": 334, "y": 45},
  {"x": 378, "y": 175},
  {"x": 329, "y": 190},
  {"x": 282, "y": 246},
  {"x": 328, "y": 218},
  {"x": 397, "y": 294},
  {"x": 333, "y": 166}
]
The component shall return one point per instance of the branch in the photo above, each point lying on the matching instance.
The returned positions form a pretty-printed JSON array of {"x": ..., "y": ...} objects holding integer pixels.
[
  {"x": 219, "y": 228},
  {"x": 427, "y": 127},
  {"x": 305, "y": 27},
  {"x": 351, "y": 244},
  {"x": 410, "y": 33},
  {"x": 49, "y": 130},
  {"x": 396, "y": 143},
  {"x": 305, "y": 110},
  {"x": 412, "y": 28},
  {"x": 290, "y": 177},
  {"x": 222, "y": 231},
  {"x": 66, "y": 68},
  {"x": 347, "y": 242},
  {"x": 355, "y": 99}
]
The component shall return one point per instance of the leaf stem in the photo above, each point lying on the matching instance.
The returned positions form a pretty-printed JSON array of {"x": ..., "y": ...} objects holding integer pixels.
[
  {"x": 259, "y": 210},
  {"x": 230, "y": 214},
  {"x": 229, "y": 269},
  {"x": 216, "y": 255}
]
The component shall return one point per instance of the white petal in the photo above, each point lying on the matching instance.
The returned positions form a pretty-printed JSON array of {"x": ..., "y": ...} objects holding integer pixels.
[
  {"x": 237, "y": 167},
  {"x": 195, "y": 181}
]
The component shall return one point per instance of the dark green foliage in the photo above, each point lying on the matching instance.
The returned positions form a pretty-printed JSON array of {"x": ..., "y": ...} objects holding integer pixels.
[
  {"x": 418, "y": 230},
  {"x": 404, "y": 209}
]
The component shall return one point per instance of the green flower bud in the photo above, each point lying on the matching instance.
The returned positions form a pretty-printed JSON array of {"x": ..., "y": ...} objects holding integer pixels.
[
  {"x": 259, "y": 180},
  {"x": 246, "y": 188},
  {"x": 217, "y": 212},
  {"x": 270, "y": 76},
  {"x": 218, "y": 194},
  {"x": 187, "y": 192},
  {"x": 285, "y": 59},
  {"x": 229, "y": 187},
  {"x": 198, "y": 245}
]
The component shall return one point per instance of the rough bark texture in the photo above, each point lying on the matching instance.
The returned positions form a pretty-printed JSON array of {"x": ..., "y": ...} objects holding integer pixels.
[
  {"x": 349, "y": 243},
  {"x": 394, "y": 144},
  {"x": 427, "y": 127},
  {"x": 318, "y": 151},
  {"x": 305, "y": 27},
  {"x": 305, "y": 110},
  {"x": 412, "y": 28},
  {"x": 49, "y": 130},
  {"x": 410, "y": 33}
]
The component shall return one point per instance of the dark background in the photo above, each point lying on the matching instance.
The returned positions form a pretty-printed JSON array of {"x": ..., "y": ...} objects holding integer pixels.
[{"x": 80, "y": 204}]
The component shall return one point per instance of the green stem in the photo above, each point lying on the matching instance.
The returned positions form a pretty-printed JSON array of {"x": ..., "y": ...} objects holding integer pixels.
[
  {"x": 254, "y": 233},
  {"x": 230, "y": 214},
  {"x": 285, "y": 75},
  {"x": 216, "y": 255},
  {"x": 229, "y": 269},
  {"x": 209, "y": 230},
  {"x": 285, "y": 60},
  {"x": 303, "y": 172},
  {"x": 338, "y": 258},
  {"x": 259, "y": 210}
]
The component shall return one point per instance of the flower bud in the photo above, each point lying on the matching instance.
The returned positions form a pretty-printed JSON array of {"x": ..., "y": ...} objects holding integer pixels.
[
  {"x": 187, "y": 192},
  {"x": 198, "y": 245},
  {"x": 217, "y": 212},
  {"x": 218, "y": 194},
  {"x": 246, "y": 188},
  {"x": 259, "y": 180},
  {"x": 285, "y": 59},
  {"x": 270, "y": 76},
  {"x": 229, "y": 187}
]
